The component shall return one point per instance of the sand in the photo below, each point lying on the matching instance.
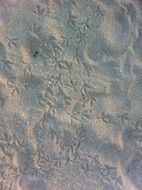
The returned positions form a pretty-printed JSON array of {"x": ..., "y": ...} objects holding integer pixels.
[{"x": 70, "y": 95}]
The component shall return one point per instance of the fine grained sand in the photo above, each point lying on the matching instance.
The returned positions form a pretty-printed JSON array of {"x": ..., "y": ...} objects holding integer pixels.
[{"x": 70, "y": 95}]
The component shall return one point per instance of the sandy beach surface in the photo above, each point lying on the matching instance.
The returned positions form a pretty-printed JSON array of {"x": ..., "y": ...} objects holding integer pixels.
[{"x": 70, "y": 95}]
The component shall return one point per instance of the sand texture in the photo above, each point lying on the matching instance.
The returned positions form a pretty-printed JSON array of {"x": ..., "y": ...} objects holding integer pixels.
[{"x": 70, "y": 94}]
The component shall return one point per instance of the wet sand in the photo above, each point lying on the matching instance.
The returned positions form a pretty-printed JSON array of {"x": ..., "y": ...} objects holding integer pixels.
[{"x": 70, "y": 95}]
